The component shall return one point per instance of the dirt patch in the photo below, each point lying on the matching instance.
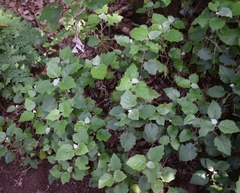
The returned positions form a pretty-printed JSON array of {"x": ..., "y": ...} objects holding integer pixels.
[{"x": 14, "y": 178}]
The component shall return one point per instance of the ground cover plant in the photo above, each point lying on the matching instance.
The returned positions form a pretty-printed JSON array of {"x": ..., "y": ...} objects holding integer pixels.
[{"x": 168, "y": 89}]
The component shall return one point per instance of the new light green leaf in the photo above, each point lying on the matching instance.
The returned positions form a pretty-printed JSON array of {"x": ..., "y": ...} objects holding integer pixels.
[
  {"x": 65, "y": 53},
  {"x": 214, "y": 110},
  {"x": 29, "y": 104},
  {"x": 133, "y": 114},
  {"x": 155, "y": 154},
  {"x": 53, "y": 70},
  {"x": 67, "y": 83},
  {"x": 187, "y": 152},
  {"x": 128, "y": 140},
  {"x": 99, "y": 72},
  {"x": 119, "y": 176},
  {"x": 137, "y": 162},
  {"x": 65, "y": 177},
  {"x": 66, "y": 108},
  {"x": 53, "y": 115},
  {"x": 173, "y": 36},
  {"x": 105, "y": 180},
  {"x": 182, "y": 82},
  {"x": 65, "y": 152},
  {"x": 128, "y": 100},
  {"x": 157, "y": 186},
  {"x": 81, "y": 162},
  {"x": 132, "y": 72},
  {"x": 139, "y": 34},
  {"x": 81, "y": 149},
  {"x": 226, "y": 12},
  {"x": 172, "y": 93},
  {"x": 228, "y": 126},
  {"x": 125, "y": 84},
  {"x": 223, "y": 144},
  {"x": 216, "y": 23},
  {"x": 167, "y": 174},
  {"x": 26, "y": 116}
]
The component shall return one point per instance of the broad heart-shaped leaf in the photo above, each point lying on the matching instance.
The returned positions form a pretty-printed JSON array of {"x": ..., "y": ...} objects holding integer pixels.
[
  {"x": 128, "y": 140},
  {"x": 200, "y": 177},
  {"x": 99, "y": 72},
  {"x": 26, "y": 116},
  {"x": 172, "y": 93},
  {"x": 132, "y": 71},
  {"x": 223, "y": 144},
  {"x": 125, "y": 84},
  {"x": 65, "y": 53},
  {"x": 81, "y": 149},
  {"x": 81, "y": 162},
  {"x": 173, "y": 36},
  {"x": 53, "y": 115},
  {"x": 29, "y": 104},
  {"x": 226, "y": 12},
  {"x": 214, "y": 110},
  {"x": 67, "y": 83},
  {"x": 115, "y": 163},
  {"x": 155, "y": 154},
  {"x": 137, "y": 162},
  {"x": 185, "y": 135},
  {"x": 157, "y": 186},
  {"x": 128, "y": 100},
  {"x": 216, "y": 23},
  {"x": 188, "y": 108},
  {"x": 187, "y": 152},
  {"x": 122, "y": 187},
  {"x": 205, "y": 54},
  {"x": 65, "y": 177},
  {"x": 119, "y": 176},
  {"x": 105, "y": 180},
  {"x": 66, "y": 108},
  {"x": 65, "y": 152},
  {"x": 139, "y": 34},
  {"x": 150, "y": 132},
  {"x": 226, "y": 74},
  {"x": 152, "y": 66},
  {"x": 53, "y": 70},
  {"x": 167, "y": 174},
  {"x": 103, "y": 135},
  {"x": 216, "y": 92},
  {"x": 133, "y": 114},
  {"x": 228, "y": 126}
]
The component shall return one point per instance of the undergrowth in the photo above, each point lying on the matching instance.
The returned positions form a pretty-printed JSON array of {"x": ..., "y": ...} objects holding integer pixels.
[{"x": 127, "y": 147}]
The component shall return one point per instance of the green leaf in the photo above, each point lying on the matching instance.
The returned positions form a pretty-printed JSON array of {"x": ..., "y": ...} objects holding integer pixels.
[
  {"x": 216, "y": 92},
  {"x": 224, "y": 11},
  {"x": 137, "y": 162},
  {"x": 154, "y": 34},
  {"x": 128, "y": 140},
  {"x": 229, "y": 36},
  {"x": 81, "y": 135},
  {"x": 213, "y": 6},
  {"x": 3, "y": 150},
  {"x": 119, "y": 176},
  {"x": 53, "y": 115},
  {"x": 11, "y": 108},
  {"x": 103, "y": 135},
  {"x": 29, "y": 104},
  {"x": 155, "y": 154},
  {"x": 81, "y": 162},
  {"x": 2, "y": 136},
  {"x": 115, "y": 163},
  {"x": 67, "y": 83},
  {"x": 226, "y": 74},
  {"x": 9, "y": 157},
  {"x": 133, "y": 114},
  {"x": 125, "y": 84},
  {"x": 114, "y": 18},
  {"x": 228, "y": 126},
  {"x": 216, "y": 23},
  {"x": 81, "y": 149},
  {"x": 150, "y": 132},
  {"x": 93, "y": 41},
  {"x": 185, "y": 135},
  {"x": 122, "y": 187},
  {"x": 66, "y": 108},
  {"x": 205, "y": 128},
  {"x": 167, "y": 174},
  {"x": 205, "y": 54},
  {"x": 158, "y": 19},
  {"x": 188, "y": 108},
  {"x": 172, "y": 93},
  {"x": 128, "y": 100},
  {"x": 146, "y": 111},
  {"x": 189, "y": 119},
  {"x": 200, "y": 178},
  {"x": 65, "y": 177},
  {"x": 166, "y": 2},
  {"x": 105, "y": 180},
  {"x": 53, "y": 70},
  {"x": 26, "y": 116},
  {"x": 223, "y": 144},
  {"x": 132, "y": 71},
  {"x": 65, "y": 152},
  {"x": 187, "y": 152},
  {"x": 139, "y": 34},
  {"x": 238, "y": 185},
  {"x": 173, "y": 36},
  {"x": 65, "y": 53},
  {"x": 214, "y": 110},
  {"x": 99, "y": 72},
  {"x": 182, "y": 82},
  {"x": 157, "y": 186},
  {"x": 164, "y": 109},
  {"x": 152, "y": 66}
]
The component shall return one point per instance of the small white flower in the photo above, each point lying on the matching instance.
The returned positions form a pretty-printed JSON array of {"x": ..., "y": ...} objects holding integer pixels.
[
  {"x": 135, "y": 81},
  {"x": 34, "y": 111},
  {"x": 86, "y": 120},
  {"x": 129, "y": 111},
  {"x": 214, "y": 121},
  {"x": 99, "y": 154},
  {"x": 34, "y": 86},
  {"x": 232, "y": 85},
  {"x": 183, "y": 54},
  {"x": 16, "y": 106},
  {"x": 56, "y": 81},
  {"x": 47, "y": 130},
  {"x": 75, "y": 146}
]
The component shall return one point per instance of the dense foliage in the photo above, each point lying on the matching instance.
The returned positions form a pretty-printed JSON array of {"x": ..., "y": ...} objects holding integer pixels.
[{"x": 174, "y": 93}]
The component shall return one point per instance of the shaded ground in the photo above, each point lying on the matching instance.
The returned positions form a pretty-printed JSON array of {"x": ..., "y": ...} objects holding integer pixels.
[{"x": 15, "y": 178}]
